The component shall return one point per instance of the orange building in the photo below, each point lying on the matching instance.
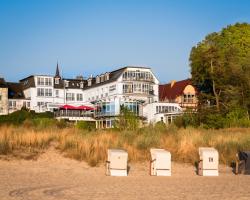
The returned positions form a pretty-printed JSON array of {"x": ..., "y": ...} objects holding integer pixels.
[{"x": 182, "y": 92}]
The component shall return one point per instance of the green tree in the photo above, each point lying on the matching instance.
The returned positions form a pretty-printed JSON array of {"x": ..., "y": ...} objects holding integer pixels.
[
  {"x": 220, "y": 68},
  {"x": 127, "y": 119}
]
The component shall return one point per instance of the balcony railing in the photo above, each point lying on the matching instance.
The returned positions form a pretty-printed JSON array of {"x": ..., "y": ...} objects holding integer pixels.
[
  {"x": 137, "y": 79},
  {"x": 73, "y": 113},
  {"x": 130, "y": 91}
]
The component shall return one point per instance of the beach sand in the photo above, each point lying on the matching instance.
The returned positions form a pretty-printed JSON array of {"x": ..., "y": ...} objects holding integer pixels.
[{"x": 53, "y": 176}]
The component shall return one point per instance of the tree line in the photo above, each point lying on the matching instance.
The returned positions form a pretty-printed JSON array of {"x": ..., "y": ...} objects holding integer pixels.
[{"x": 220, "y": 69}]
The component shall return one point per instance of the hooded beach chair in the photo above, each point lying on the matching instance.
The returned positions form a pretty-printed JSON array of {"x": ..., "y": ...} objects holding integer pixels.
[
  {"x": 160, "y": 164},
  {"x": 209, "y": 162},
  {"x": 117, "y": 162},
  {"x": 243, "y": 163}
]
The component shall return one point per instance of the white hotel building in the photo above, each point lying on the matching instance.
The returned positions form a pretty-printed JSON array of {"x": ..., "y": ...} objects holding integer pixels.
[{"x": 134, "y": 87}]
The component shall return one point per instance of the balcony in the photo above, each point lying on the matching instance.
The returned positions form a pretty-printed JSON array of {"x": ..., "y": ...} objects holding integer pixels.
[
  {"x": 130, "y": 91},
  {"x": 74, "y": 115}
]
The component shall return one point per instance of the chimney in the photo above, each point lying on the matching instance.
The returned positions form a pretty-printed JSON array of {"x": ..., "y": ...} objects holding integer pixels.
[
  {"x": 172, "y": 83},
  {"x": 79, "y": 77}
]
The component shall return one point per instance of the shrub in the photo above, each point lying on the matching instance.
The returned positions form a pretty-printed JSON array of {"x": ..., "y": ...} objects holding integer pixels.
[
  {"x": 160, "y": 127},
  {"x": 16, "y": 118},
  {"x": 42, "y": 123},
  {"x": 127, "y": 120},
  {"x": 44, "y": 115},
  {"x": 61, "y": 124},
  {"x": 84, "y": 125},
  {"x": 187, "y": 119},
  {"x": 215, "y": 121},
  {"x": 237, "y": 118}
]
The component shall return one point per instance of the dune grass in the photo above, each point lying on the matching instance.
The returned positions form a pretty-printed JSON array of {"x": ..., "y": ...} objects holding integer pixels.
[{"x": 92, "y": 146}]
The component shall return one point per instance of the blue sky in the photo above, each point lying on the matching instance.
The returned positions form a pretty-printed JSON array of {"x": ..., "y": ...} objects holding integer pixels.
[{"x": 91, "y": 37}]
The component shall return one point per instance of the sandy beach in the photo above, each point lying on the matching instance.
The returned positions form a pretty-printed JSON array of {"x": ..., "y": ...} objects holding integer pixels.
[{"x": 53, "y": 176}]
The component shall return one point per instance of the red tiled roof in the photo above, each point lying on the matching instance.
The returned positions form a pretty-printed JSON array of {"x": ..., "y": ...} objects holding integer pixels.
[{"x": 170, "y": 93}]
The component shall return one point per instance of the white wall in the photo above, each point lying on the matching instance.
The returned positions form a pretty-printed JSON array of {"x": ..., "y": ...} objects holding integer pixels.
[
  {"x": 106, "y": 92},
  {"x": 149, "y": 111}
]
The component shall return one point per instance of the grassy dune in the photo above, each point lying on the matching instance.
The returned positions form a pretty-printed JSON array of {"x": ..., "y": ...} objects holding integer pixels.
[{"x": 26, "y": 142}]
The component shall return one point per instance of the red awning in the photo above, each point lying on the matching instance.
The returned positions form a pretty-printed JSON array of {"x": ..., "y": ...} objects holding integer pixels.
[
  {"x": 84, "y": 108},
  {"x": 69, "y": 107}
]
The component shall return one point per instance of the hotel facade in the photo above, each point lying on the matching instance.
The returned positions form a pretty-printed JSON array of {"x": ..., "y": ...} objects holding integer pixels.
[{"x": 136, "y": 88}]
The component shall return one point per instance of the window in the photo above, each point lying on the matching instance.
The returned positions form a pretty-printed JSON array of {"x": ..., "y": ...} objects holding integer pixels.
[
  {"x": 102, "y": 78},
  {"x": 144, "y": 88},
  {"x": 40, "y": 92},
  {"x": 0, "y": 97},
  {"x": 188, "y": 98},
  {"x": 44, "y": 92},
  {"x": 41, "y": 103},
  {"x": 79, "y": 97},
  {"x": 137, "y": 87},
  {"x": 97, "y": 79},
  {"x": 44, "y": 81},
  {"x": 89, "y": 82},
  {"x": 70, "y": 97},
  {"x": 12, "y": 104},
  {"x": 66, "y": 83},
  {"x": 48, "y": 92},
  {"x": 1, "y": 110},
  {"x": 127, "y": 88},
  {"x": 40, "y": 81},
  {"x": 47, "y": 81},
  {"x": 105, "y": 109},
  {"x": 137, "y": 75},
  {"x": 57, "y": 93},
  {"x": 81, "y": 85},
  {"x": 106, "y": 76},
  {"x": 56, "y": 80}
]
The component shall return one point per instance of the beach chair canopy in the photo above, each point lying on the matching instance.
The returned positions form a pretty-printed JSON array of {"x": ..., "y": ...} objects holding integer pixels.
[{"x": 245, "y": 156}]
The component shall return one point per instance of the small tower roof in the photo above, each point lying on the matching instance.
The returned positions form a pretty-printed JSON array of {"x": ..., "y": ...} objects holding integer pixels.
[{"x": 57, "y": 71}]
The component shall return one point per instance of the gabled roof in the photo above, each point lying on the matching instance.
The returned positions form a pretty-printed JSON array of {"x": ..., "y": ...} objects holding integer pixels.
[
  {"x": 15, "y": 90},
  {"x": 75, "y": 83},
  {"x": 168, "y": 92},
  {"x": 28, "y": 82},
  {"x": 113, "y": 76},
  {"x": 3, "y": 83}
]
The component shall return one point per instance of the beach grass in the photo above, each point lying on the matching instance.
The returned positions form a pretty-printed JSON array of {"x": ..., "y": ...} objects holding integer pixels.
[{"x": 91, "y": 146}]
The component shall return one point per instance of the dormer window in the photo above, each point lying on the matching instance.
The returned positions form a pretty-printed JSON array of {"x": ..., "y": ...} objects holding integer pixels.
[
  {"x": 66, "y": 83},
  {"x": 89, "y": 82},
  {"x": 57, "y": 81},
  {"x": 97, "y": 79},
  {"x": 81, "y": 85},
  {"x": 102, "y": 78},
  {"x": 107, "y": 76}
]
